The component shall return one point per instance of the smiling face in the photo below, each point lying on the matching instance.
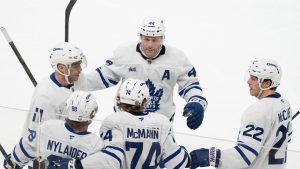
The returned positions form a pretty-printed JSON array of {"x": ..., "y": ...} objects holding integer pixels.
[
  {"x": 150, "y": 46},
  {"x": 260, "y": 90}
]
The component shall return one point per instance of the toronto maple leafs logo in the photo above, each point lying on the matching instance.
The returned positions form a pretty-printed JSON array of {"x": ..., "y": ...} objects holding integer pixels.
[{"x": 155, "y": 96}]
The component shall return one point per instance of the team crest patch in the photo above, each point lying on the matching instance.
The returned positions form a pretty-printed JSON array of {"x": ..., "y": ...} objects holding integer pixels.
[{"x": 155, "y": 96}]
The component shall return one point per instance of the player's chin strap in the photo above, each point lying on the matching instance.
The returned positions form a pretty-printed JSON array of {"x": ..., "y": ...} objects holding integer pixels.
[
  {"x": 65, "y": 75},
  {"x": 263, "y": 89}
]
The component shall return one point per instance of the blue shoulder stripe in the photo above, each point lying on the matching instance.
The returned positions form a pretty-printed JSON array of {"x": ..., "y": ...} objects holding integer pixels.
[
  {"x": 113, "y": 155},
  {"x": 117, "y": 148},
  {"x": 102, "y": 78},
  {"x": 252, "y": 150},
  {"x": 243, "y": 155},
  {"x": 172, "y": 155},
  {"x": 23, "y": 149},
  {"x": 181, "y": 163}
]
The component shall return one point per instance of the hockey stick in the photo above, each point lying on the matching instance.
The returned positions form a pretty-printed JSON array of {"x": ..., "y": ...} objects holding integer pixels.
[
  {"x": 14, "y": 48},
  {"x": 6, "y": 156},
  {"x": 190, "y": 113},
  {"x": 295, "y": 115},
  {"x": 67, "y": 16}
]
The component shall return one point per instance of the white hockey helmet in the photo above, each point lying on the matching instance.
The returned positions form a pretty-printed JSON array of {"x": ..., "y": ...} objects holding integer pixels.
[
  {"x": 66, "y": 53},
  {"x": 266, "y": 69},
  {"x": 152, "y": 26},
  {"x": 81, "y": 106},
  {"x": 133, "y": 92}
]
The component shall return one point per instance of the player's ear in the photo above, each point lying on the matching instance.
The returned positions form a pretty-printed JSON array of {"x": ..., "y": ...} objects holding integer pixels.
[
  {"x": 266, "y": 83},
  {"x": 61, "y": 67}
]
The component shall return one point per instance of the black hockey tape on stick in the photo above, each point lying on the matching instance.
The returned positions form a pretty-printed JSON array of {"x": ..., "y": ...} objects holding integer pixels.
[
  {"x": 6, "y": 156},
  {"x": 295, "y": 115},
  {"x": 21, "y": 60},
  {"x": 67, "y": 16}
]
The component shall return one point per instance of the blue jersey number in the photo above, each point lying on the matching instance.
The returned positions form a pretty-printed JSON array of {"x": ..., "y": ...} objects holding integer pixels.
[
  {"x": 108, "y": 135},
  {"x": 253, "y": 132},
  {"x": 155, "y": 150},
  {"x": 38, "y": 115},
  {"x": 272, "y": 157}
]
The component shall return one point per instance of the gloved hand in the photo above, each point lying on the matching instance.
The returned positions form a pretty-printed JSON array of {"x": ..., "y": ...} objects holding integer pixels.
[
  {"x": 194, "y": 110},
  {"x": 204, "y": 157},
  {"x": 56, "y": 162},
  {"x": 9, "y": 166}
]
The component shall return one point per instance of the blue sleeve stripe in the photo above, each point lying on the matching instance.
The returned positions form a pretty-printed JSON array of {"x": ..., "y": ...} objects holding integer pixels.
[
  {"x": 113, "y": 155},
  {"x": 242, "y": 155},
  {"x": 15, "y": 155},
  {"x": 112, "y": 82},
  {"x": 195, "y": 83},
  {"x": 23, "y": 150},
  {"x": 290, "y": 133},
  {"x": 102, "y": 78},
  {"x": 194, "y": 87},
  {"x": 289, "y": 140},
  {"x": 181, "y": 163},
  {"x": 183, "y": 93},
  {"x": 172, "y": 155},
  {"x": 117, "y": 148},
  {"x": 249, "y": 149}
]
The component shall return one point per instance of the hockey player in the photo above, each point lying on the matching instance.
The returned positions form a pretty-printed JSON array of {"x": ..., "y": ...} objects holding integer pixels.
[
  {"x": 145, "y": 137},
  {"x": 51, "y": 92},
  {"x": 266, "y": 126},
  {"x": 55, "y": 139},
  {"x": 161, "y": 67}
]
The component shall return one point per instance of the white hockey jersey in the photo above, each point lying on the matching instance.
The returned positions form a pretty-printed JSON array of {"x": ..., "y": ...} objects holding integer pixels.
[
  {"x": 49, "y": 99},
  {"x": 146, "y": 139},
  {"x": 55, "y": 137},
  {"x": 266, "y": 129},
  {"x": 161, "y": 74}
]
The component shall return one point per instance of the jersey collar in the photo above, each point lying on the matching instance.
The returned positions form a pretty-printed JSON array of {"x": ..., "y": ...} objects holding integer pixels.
[
  {"x": 139, "y": 113},
  {"x": 162, "y": 52},
  {"x": 52, "y": 77},
  {"x": 274, "y": 95},
  {"x": 72, "y": 130}
]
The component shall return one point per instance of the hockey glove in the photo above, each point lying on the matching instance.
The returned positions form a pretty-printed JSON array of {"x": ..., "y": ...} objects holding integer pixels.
[
  {"x": 194, "y": 110},
  {"x": 9, "y": 166},
  {"x": 204, "y": 157},
  {"x": 63, "y": 163}
]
